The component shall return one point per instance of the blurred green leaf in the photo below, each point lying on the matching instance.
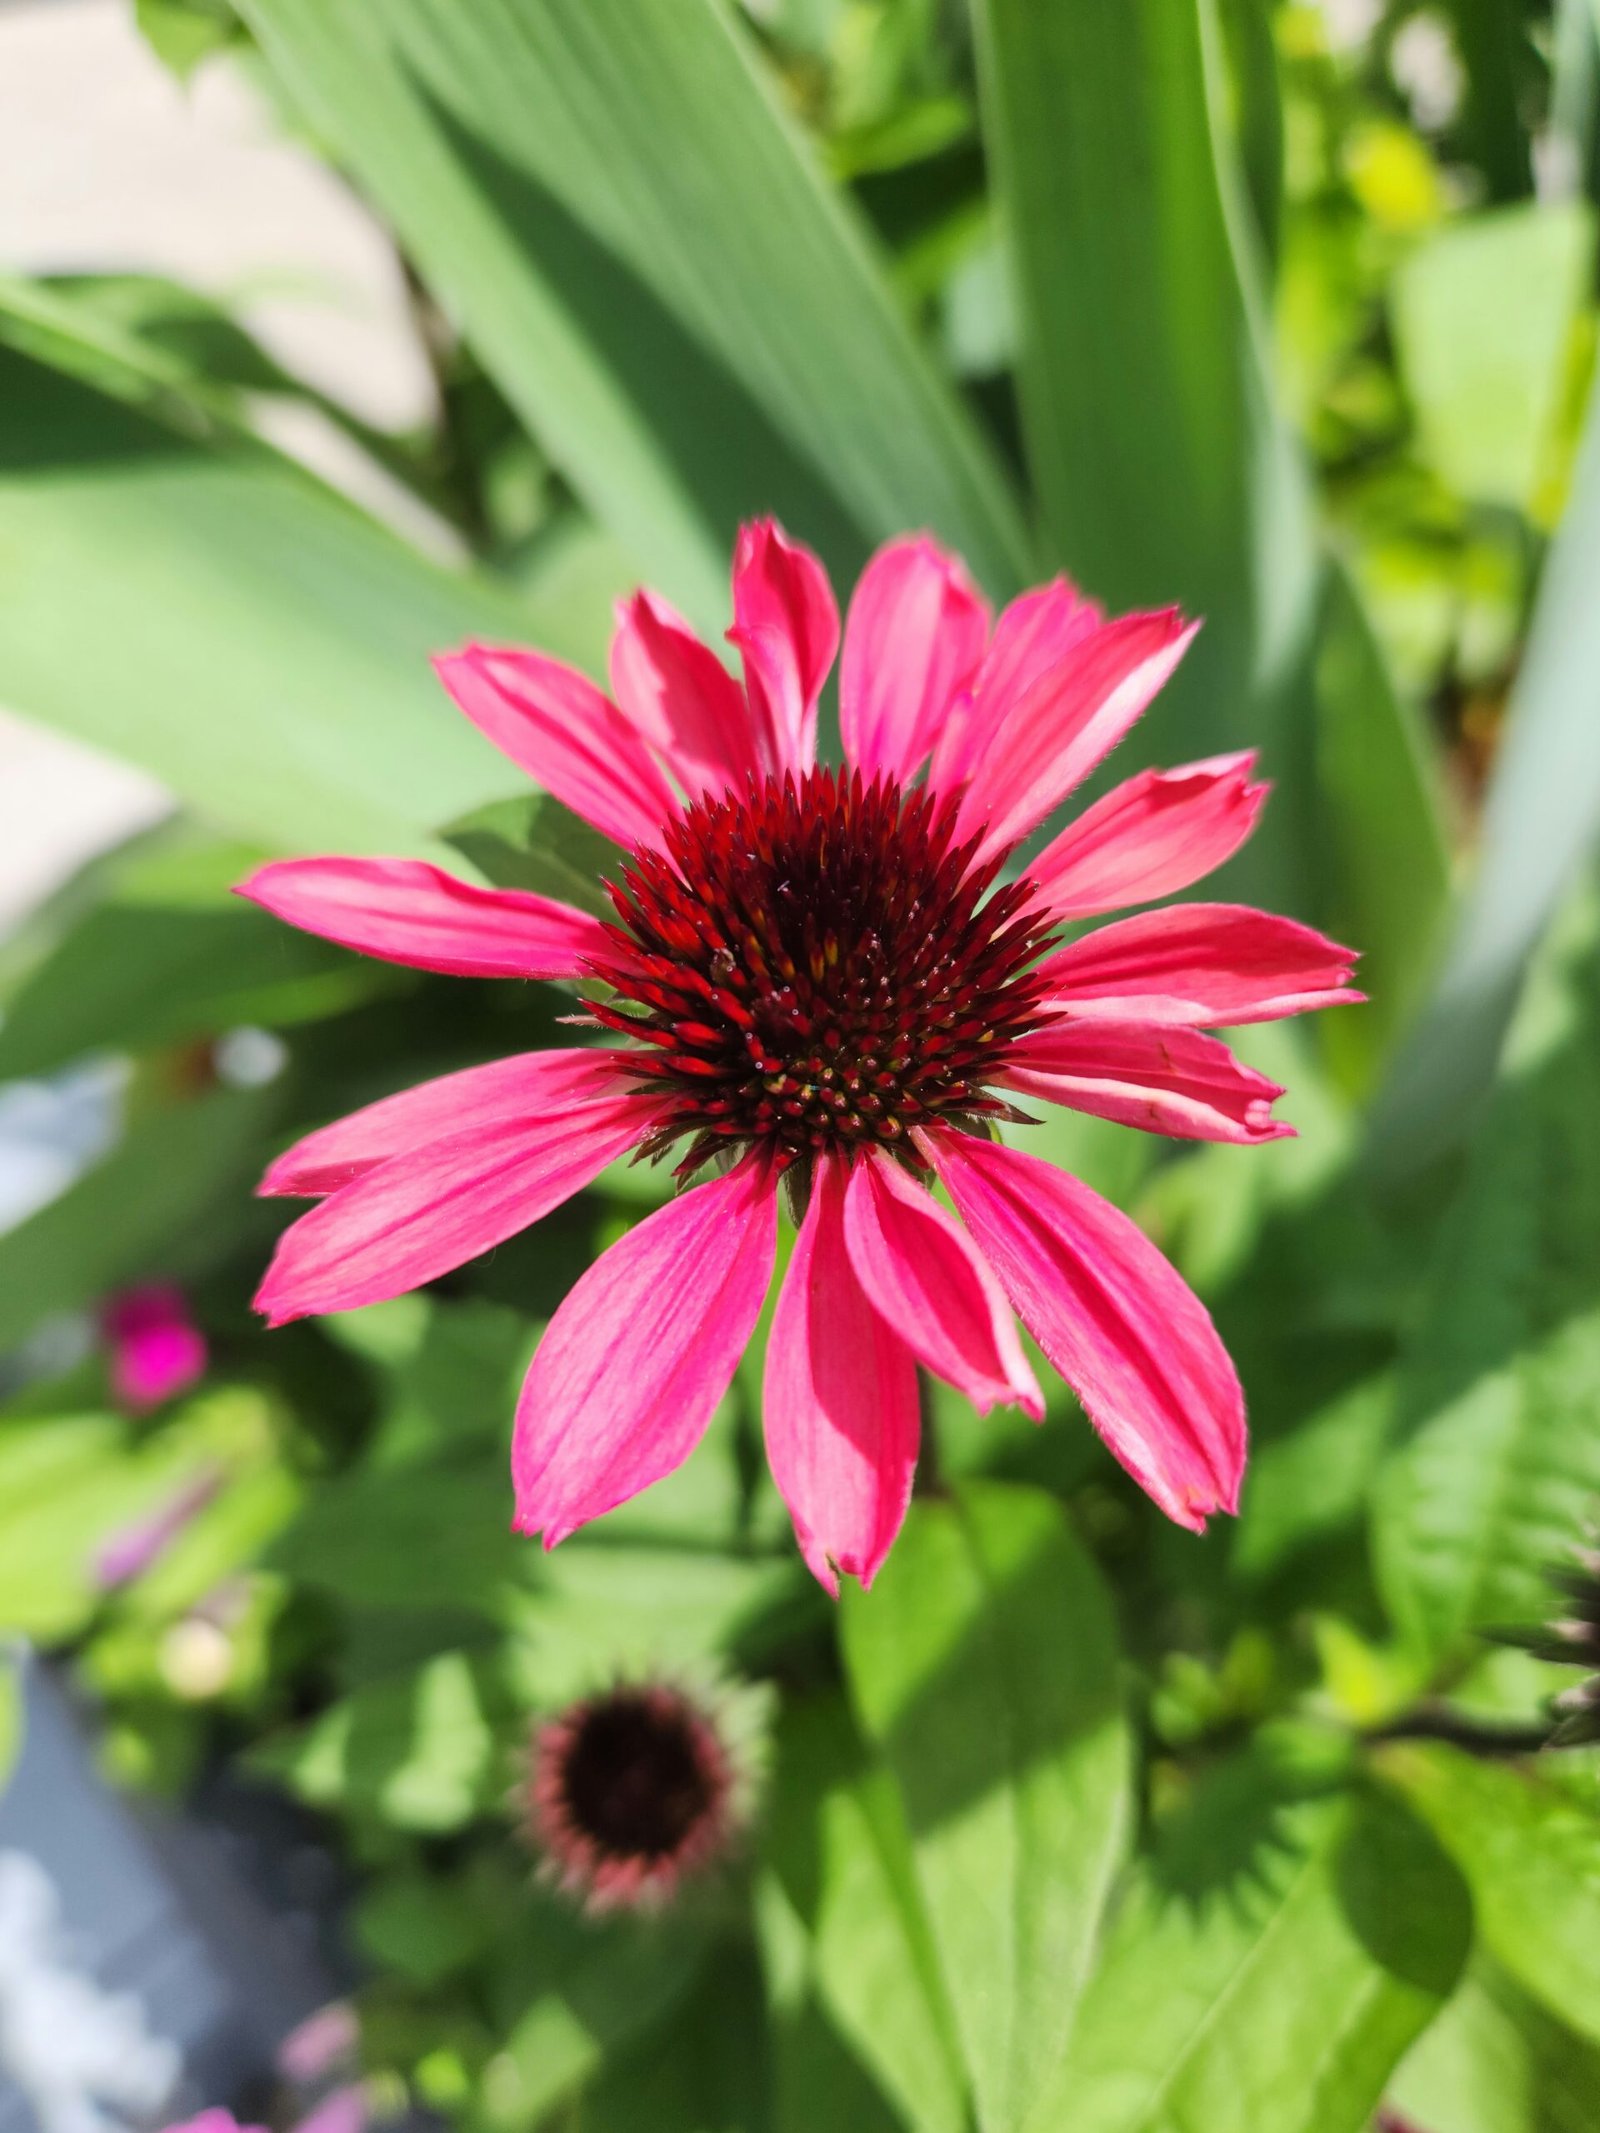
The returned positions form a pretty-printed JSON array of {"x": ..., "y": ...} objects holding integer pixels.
[
  {"x": 432, "y": 1534},
  {"x": 143, "y": 1211},
  {"x": 1541, "y": 818},
  {"x": 182, "y": 33},
  {"x": 1491, "y": 37},
  {"x": 425, "y": 1926},
  {"x": 1531, "y": 1855},
  {"x": 235, "y": 627},
  {"x": 1483, "y": 313},
  {"x": 599, "y": 1606},
  {"x": 419, "y": 1753},
  {"x": 1500, "y": 1384},
  {"x": 594, "y": 1987},
  {"x": 1256, "y": 111},
  {"x": 706, "y": 2071},
  {"x": 1269, "y": 1967},
  {"x": 1385, "y": 866},
  {"x": 1163, "y": 472},
  {"x": 838, "y": 1840},
  {"x": 637, "y": 245},
  {"x": 68, "y": 1483},
  {"x": 984, "y": 1664},
  {"x": 817, "y": 2078},
  {"x": 1495, "y": 2062},
  {"x": 169, "y": 955},
  {"x": 1305, "y": 1486}
]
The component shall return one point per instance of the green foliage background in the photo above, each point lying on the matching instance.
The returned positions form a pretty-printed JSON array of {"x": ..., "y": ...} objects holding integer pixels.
[{"x": 1074, "y": 1822}]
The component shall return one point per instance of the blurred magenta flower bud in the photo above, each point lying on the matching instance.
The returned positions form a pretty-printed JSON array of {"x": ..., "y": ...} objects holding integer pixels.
[{"x": 156, "y": 1349}]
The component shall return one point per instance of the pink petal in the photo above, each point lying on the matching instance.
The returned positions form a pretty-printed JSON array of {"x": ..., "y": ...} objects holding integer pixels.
[
  {"x": 786, "y": 624},
  {"x": 1034, "y": 634},
  {"x": 681, "y": 697},
  {"x": 640, "y": 1352},
  {"x": 1152, "y": 836},
  {"x": 913, "y": 638},
  {"x": 1129, "y": 1336},
  {"x": 417, "y": 1215},
  {"x": 840, "y": 1400},
  {"x": 1161, "y": 1079},
  {"x": 505, "y": 1092},
  {"x": 555, "y": 724},
  {"x": 409, "y": 912},
  {"x": 1072, "y": 716},
  {"x": 1199, "y": 963},
  {"x": 922, "y": 1274}
]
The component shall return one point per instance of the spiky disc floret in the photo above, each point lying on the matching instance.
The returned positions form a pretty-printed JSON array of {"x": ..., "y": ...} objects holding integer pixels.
[
  {"x": 1571, "y": 1637},
  {"x": 817, "y": 965}
]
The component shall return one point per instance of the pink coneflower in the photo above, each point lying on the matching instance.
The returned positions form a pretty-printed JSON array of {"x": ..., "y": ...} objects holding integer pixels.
[
  {"x": 821, "y": 976},
  {"x": 156, "y": 1349},
  {"x": 631, "y": 1793}
]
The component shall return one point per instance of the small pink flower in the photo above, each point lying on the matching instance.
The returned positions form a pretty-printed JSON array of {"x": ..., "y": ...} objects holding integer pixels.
[
  {"x": 820, "y": 976},
  {"x": 157, "y": 1350},
  {"x": 631, "y": 1793}
]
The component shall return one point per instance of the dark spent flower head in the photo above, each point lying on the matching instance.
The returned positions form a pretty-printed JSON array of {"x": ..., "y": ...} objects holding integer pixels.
[{"x": 631, "y": 1792}]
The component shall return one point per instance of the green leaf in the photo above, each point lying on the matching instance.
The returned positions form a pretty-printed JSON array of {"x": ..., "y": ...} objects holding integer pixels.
[
  {"x": 182, "y": 33},
  {"x": 1491, "y": 38},
  {"x": 597, "y": 1986},
  {"x": 1541, "y": 818},
  {"x": 235, "y": 627},
  {"x": 423, "y": 1925},
  {"x": 532, "y": 842},
  {"x": 1531, "y": 1855},
  {"x": 420, "y": 1753},
  {"x": 607, "y": 196},
  {"x": 598, "y": 1606},
  {"x": 1385, "y": 867},
  {"x": 984, "y": 1665},
  {"x": 146, "y": 1210},
  {"x": 1483, "y": 313},
  {"x": 425, "y": 1535},
  {"x": 1494, "y": 2062},
  {"x": 817, "y": 2078},
  {"x": 839, "y": 1843},
  {"x": 1270, "y": 1965},
  {"x": 68, "y": 1483},
  {"x": 706, "y": 2071},
  {"x": 1499, "y": 1384},
  {"x": 1163, "y": 471},
  {"x": 170, "y": 955}
]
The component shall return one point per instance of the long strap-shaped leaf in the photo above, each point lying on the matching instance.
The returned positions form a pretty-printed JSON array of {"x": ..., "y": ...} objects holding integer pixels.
[
  {"x": 209, "y": 611},
  {"x": 606, "y": 194},
  {"x": 1542, "y": 818},
  {"x": 1162, "y": 470}
]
